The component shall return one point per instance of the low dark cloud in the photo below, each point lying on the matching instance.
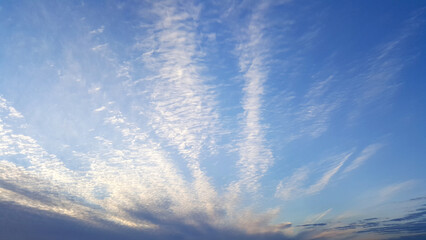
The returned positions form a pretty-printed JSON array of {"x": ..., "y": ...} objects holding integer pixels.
[
  {"x": 21, "y": 223},
  {"x": 24, "y": 192},
  {"x": 313, "y": 225},
  {"x": 406, "y": 228},
  {"x": 413, "y": 223},
  {"x": 418, "y": 199},
  {"x": 25, "y": 223},
  {"x": 421, "y": 212},
  {"x": 358, "y": 225},
  {"x": 409, "y": 226},
  {"x": 413, "y": 237},
  {"x": 18, "y": 222}
]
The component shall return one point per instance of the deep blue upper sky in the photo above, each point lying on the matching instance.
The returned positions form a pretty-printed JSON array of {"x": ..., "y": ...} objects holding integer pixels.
[{"x": 212, "y": 119}]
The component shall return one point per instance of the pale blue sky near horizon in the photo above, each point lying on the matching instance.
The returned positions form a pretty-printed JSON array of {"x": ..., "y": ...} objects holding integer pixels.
[{"x": 213, "y": 119}]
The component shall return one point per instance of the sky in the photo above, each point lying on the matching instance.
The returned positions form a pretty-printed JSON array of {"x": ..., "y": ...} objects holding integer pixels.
[{"x": 217, "y": 119}]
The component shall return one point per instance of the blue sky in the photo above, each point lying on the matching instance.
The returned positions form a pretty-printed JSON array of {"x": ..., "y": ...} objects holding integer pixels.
[{"x": 212, "y": 119}]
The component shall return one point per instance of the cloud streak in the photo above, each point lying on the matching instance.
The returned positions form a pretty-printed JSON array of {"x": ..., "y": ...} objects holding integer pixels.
[
  {"x": 295, "y": 186},
  {"x": 366, "y": 153},
  {"x": 255, "y": 157},
  {"x": 182, "y": 103}
]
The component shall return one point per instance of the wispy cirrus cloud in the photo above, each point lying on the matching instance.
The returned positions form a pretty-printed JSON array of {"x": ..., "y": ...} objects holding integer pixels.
[
  {"x": 317, "y": 217},
  {"x": 366, "y": 153},
  {"x": 325, "y": 179},
  {"x": 255, "y": 156},
  {"x": 183, "y": 105},
  {"x": 296, "y": 185},
  {"x": 320, "y": 102},
  {"x": 369, "y": 82},
  {"x": 393, "y": 189},
  {"x": 378, "y": 79}
]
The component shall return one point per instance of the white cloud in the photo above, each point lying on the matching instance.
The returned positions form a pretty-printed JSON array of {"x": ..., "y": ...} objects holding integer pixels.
[
  {"x": 3, "y": 103},
  {"x": 124, "y": 71},
  {"x": 317, "y": 217},
  {"x": 394, "y": 189},
  {"x": 292, "y": 186},
  {"x": 98, "y": 30},
  {"x": 100, "y": 47},
  {"x": 94, "y": 89},
  {"x": 124, "y": 176},
  {"x": 11, "y": 111},
  {"x": 325, "y": 179},
  {"x": 137, "y": 173},
  {"x": 100, "y": 109},
  {"x": 378, "y": 79},
  {"x": 255, "y": 156},
  {"x": 318, "y": 107},
  {"x": 183, "y": 105},
  {"x": 295, "y": 186},
  {"x": 15, "y": 114},
  {"x": 366, "y": 153}
]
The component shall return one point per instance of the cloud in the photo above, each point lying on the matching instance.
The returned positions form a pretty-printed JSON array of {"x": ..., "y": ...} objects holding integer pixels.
[
  {"x": 99, "y": 47},
  {"x": 318, "y": 106},
  {"x": 100, "y": 109},
  {"x": 420, "y": 213},
  {"x": 125, "y": 173},
  {"x": 255, "y": 156},
  {"x": 129, "y": 183},
  {"x": 369, "y": 83},
  {"x": 295, "y": 186},
  {"x": 366, "y": 153},
  {"x": 12, "y": 113},
  {"x": 408, "y": 226},
  {"x": 313, "y": 225},
  {"x": 394, "y": 189},
  {"x": 323, "y": 181},
  {"x": 46, "y": 176},
  {"x": 315, "y": 218},
  {"x": 412, "y": 224},
  {"x": 128, "y": 173},
  {"x": 378, "y": 80},
  {"x": 143, "y": 120},
  {"x": 292, "y": 186},
  {"x": 40, "y": 225},
  {"x": 98, "y": 31},
  {"x": 182, "y": 105}
]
